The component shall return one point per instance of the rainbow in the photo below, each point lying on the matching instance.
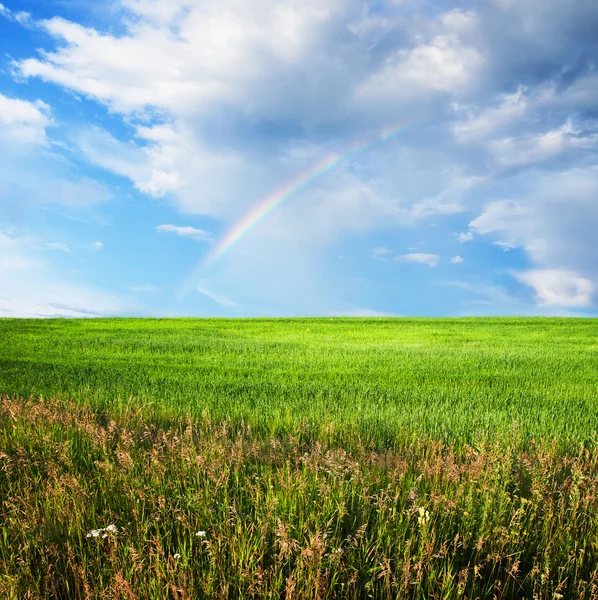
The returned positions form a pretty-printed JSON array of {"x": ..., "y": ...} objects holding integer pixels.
[{"x": 279, "y": 196}]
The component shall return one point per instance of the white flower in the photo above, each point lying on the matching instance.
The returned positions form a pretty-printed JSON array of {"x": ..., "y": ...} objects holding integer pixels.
[
  {"x": 177, "y": 556},
  {"x": 201, "y": 534},
  {"x": 94, "y": 533},
  {"x": 102, "y": 532}
]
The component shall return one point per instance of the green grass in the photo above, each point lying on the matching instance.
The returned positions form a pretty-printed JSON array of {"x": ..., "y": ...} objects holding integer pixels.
[
  {"x": 323, "y": 458},
  {"x": 382, "y": 378}
]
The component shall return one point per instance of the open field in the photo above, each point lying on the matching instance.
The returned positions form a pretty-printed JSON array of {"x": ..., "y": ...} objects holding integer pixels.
[
  {"x": 318, "y": 458},
  {"x": 380, "y": 377}
]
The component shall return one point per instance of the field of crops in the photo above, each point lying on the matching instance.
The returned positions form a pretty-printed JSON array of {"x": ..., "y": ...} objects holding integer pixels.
[{"x": 300, "y": 458}]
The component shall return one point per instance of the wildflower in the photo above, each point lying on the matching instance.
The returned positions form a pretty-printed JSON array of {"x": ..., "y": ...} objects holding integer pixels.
[
  {"x": 102, "y": 532},
  {"x": 201, "y": 534},
  {"x": 424, "y": 516},
  {"x": 94, "y": 533},
  {"x": 177, "y": 556}
]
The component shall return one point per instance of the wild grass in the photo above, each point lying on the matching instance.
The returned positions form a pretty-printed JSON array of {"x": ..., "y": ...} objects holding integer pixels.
[
  {"x": 282, "y": 519},
  {"x": 321, "y": 459}
]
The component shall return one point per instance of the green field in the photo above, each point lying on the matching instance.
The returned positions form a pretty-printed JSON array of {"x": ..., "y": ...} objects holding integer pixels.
[
  {"x": 323, "y": 458},
  {"x": 383, "y": 377}
]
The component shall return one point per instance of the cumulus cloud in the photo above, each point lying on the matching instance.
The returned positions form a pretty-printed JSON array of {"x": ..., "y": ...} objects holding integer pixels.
[
  {"x": 465, "y": 237},
  {"x": 431, "y": 260},
  {"x": 457, "y": 259},
  {"x": 442, "y": 65},
  {"x": 284, "y": 62},
  {"x": 554, "y": 222},
  {"x": 185, "y": 56},
  {"x": 171, "y": 159},
  {"x": 190, "y": 232},
  {"x": 22, "y": 121},
  {"x": 558, "y": 287}
]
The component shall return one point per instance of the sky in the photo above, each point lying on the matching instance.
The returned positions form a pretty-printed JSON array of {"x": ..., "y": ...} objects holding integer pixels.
[{"x": 256, "y": 158}]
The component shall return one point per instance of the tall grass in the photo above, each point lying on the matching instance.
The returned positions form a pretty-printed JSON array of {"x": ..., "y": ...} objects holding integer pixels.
[{"x": 281, "y": 518}]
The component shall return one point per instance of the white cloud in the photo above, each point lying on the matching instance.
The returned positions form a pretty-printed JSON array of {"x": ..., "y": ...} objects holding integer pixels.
[
  {"x": 534, "y": 148},
  {"x": 465, "y": 237},
  {"x": 191, "y": 60},
  {"x": 190, "y": 232},
  {"x": 558, "y": 287},
  {"x": 457, "y": 259},
  {"x": 98, "y": 246},
  {"x": 217, "y": 298},
  {"x": 20, "y": 17},
  {"x": 492, "y": 299},
  {"x": 499, "y": 216},
  {"x": 442, "y": 65},
  {"x": 185, "y": 55},
  {"x": 505, "y": 246},
  {"x": 426, "y": 259},
  {"x": 171, "y": 159},
  {"x": 486, "y": 121},
  {"x": 23, "y": 121},
  {"x": 554, "y": 221}
]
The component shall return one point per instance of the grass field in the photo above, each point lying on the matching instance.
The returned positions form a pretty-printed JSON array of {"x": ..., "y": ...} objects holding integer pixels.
[{"x": 318, "y": 458}]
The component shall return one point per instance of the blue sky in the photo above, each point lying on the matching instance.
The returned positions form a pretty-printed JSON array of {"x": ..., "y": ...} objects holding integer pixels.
[{"x": 134, "y": 134}]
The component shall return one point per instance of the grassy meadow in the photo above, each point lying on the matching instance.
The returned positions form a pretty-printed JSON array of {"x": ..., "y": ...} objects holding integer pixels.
[{"x": 299, "y": 458}]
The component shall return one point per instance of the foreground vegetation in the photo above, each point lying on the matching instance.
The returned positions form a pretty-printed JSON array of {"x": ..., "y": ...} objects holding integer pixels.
[
  {"x": 132, "y": 506},
  {"x": 299, "y": 459}
]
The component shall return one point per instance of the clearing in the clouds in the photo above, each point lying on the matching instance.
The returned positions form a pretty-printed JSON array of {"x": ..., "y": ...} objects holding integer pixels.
[{"x": 300, "y": 458}]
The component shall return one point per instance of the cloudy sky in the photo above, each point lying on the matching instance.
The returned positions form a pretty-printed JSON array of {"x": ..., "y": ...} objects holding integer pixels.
[{"x": 405, "y": 157}]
